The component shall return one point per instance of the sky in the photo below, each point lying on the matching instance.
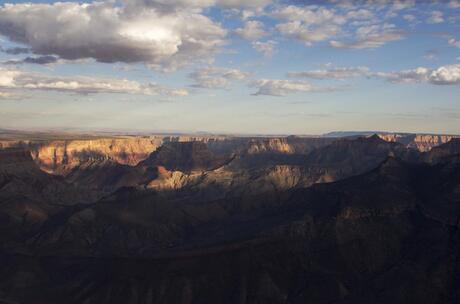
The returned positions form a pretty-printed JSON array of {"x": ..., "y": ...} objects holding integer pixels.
[{"x": 231, "y": 66}]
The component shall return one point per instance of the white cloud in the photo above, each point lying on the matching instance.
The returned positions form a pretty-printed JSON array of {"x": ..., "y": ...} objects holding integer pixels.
[
  {"x": 19, "y": 80},
  {"x": 454, "y": 42},
  {"x": 216, "y": 78},
  {"x": 399, "y": 5},
  {"x": 444, "y": 75},
  {"x": 449, "y": 74},
  {"x": 454, "y": 4},
  {"x": 110, "y": 33},
  {"x": 252, "y": 30},
  {"x": 436, "y": 17},
  {"x": 306, "y": 34},
  {"x": 308, "y": 14},
  {"x": 282, "y": 87},
  {"x": 335, "y": 73},
  {"x": 369, "y": 37},
  {"x": 360, "y": 24},
  {"x": 275, "y": 87},
  {"x": 9, "y": 96},
  {"x": 309, "y": 24},
  {"x": 267, "y": 48},
  {"x": 198, "y": 4},
  {"x": 409, "y": 18}
]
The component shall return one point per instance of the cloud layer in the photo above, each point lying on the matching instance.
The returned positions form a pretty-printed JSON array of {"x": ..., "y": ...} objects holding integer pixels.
[
  {"x": 283, "y": 87},
  {"x": 216, "y": 78},
  {"x": 444, "y": 75},
  {"x": 12, "y": 79},
  {"x": 335, "y": 73}
]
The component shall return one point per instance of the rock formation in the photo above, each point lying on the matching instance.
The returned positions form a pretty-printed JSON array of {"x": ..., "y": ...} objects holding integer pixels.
[{"x": 230, "y": 220}]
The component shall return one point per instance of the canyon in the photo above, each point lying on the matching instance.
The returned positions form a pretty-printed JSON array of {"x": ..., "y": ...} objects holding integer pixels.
[
  {"x": 222, "y": 219},
  {"x": 60, "y": 156}
]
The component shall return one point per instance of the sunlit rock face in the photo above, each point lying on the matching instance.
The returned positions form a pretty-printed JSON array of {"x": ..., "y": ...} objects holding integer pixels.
[
  {"x": 444, "y": 151},
  {"x": 60, "y": 157},
  {"x": 421, "y": 142},
  {"x": 286, "y": 145}
]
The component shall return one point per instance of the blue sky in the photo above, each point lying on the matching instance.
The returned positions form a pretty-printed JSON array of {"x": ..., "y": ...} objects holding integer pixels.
[{"x": 231, "y": 66}]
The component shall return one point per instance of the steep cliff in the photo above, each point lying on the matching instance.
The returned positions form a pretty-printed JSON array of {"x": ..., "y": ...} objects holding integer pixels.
[
  {"x": 421, "y": 142},
  {"x": 439, "y": 153},
  {"x": 60, "y": 157},
  {"x": 186, "y": 157}
]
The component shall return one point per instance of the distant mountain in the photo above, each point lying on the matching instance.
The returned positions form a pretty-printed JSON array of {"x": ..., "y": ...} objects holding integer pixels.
[{"x": 336, "y": 134}]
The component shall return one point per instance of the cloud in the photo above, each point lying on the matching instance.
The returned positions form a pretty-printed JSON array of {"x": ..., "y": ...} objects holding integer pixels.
[
  {"x": 444, "y": 75},
  {"x": 282, "y": 87},
  {"x": 370, "y": 37},
  {"x": 431, "y": 55},
  {"x": 110, "y": 33},
  {"x": 400, "y": 4},
  {"x": 10, "y": 96},
  {"x": 168, "y": 5},
  {"x": 11, "y": 79},
  {"x": 335, "y": 73},
  {"x": 454, "y": 42},
  {"x": 308, "y": 24},
  {"x": 48, "y": 59},
  {"x": 454, "y": 4},
  {"x": 216, "y": 78},
  {"x": 306, "y": 34},
  {"x": 267, "y": 48},
  {"x": 436, "y": 17},
  {"x": 316, "y": 23},
  {"x": 15, "y": 50},
  {"x": 409, "y": 18},
  {"x": 252, "y": 30}
]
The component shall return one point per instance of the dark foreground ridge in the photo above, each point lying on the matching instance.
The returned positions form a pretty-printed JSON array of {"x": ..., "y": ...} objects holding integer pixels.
[{"x": 352, "y": 221}]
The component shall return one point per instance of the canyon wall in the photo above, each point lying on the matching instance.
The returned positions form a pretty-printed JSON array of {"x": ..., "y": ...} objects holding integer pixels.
[
  {"x": 61, "y": 156},
  {"x": 421, "y": 142}
]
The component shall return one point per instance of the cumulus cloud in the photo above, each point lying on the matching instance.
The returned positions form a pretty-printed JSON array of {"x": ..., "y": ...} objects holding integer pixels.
[
  {"x": 316, "y": 23},
  {"x": 12, "y": 79},
  {"x": 283, "y": 87},
  {"x": 306, "y": 34},
  {"x": 370, "y": 37},
  {"x": 216, "y": 78},
  {"x": 110, "y": 33},
  {"x": 444, "y": 75},
  {"x": 436, "y": 17},
  {"x": 308, "y": 24},
  {"x": 268, "y": 48},
  {"x": 335, "y": 73},
  {"x": 252, "y": 30}
]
